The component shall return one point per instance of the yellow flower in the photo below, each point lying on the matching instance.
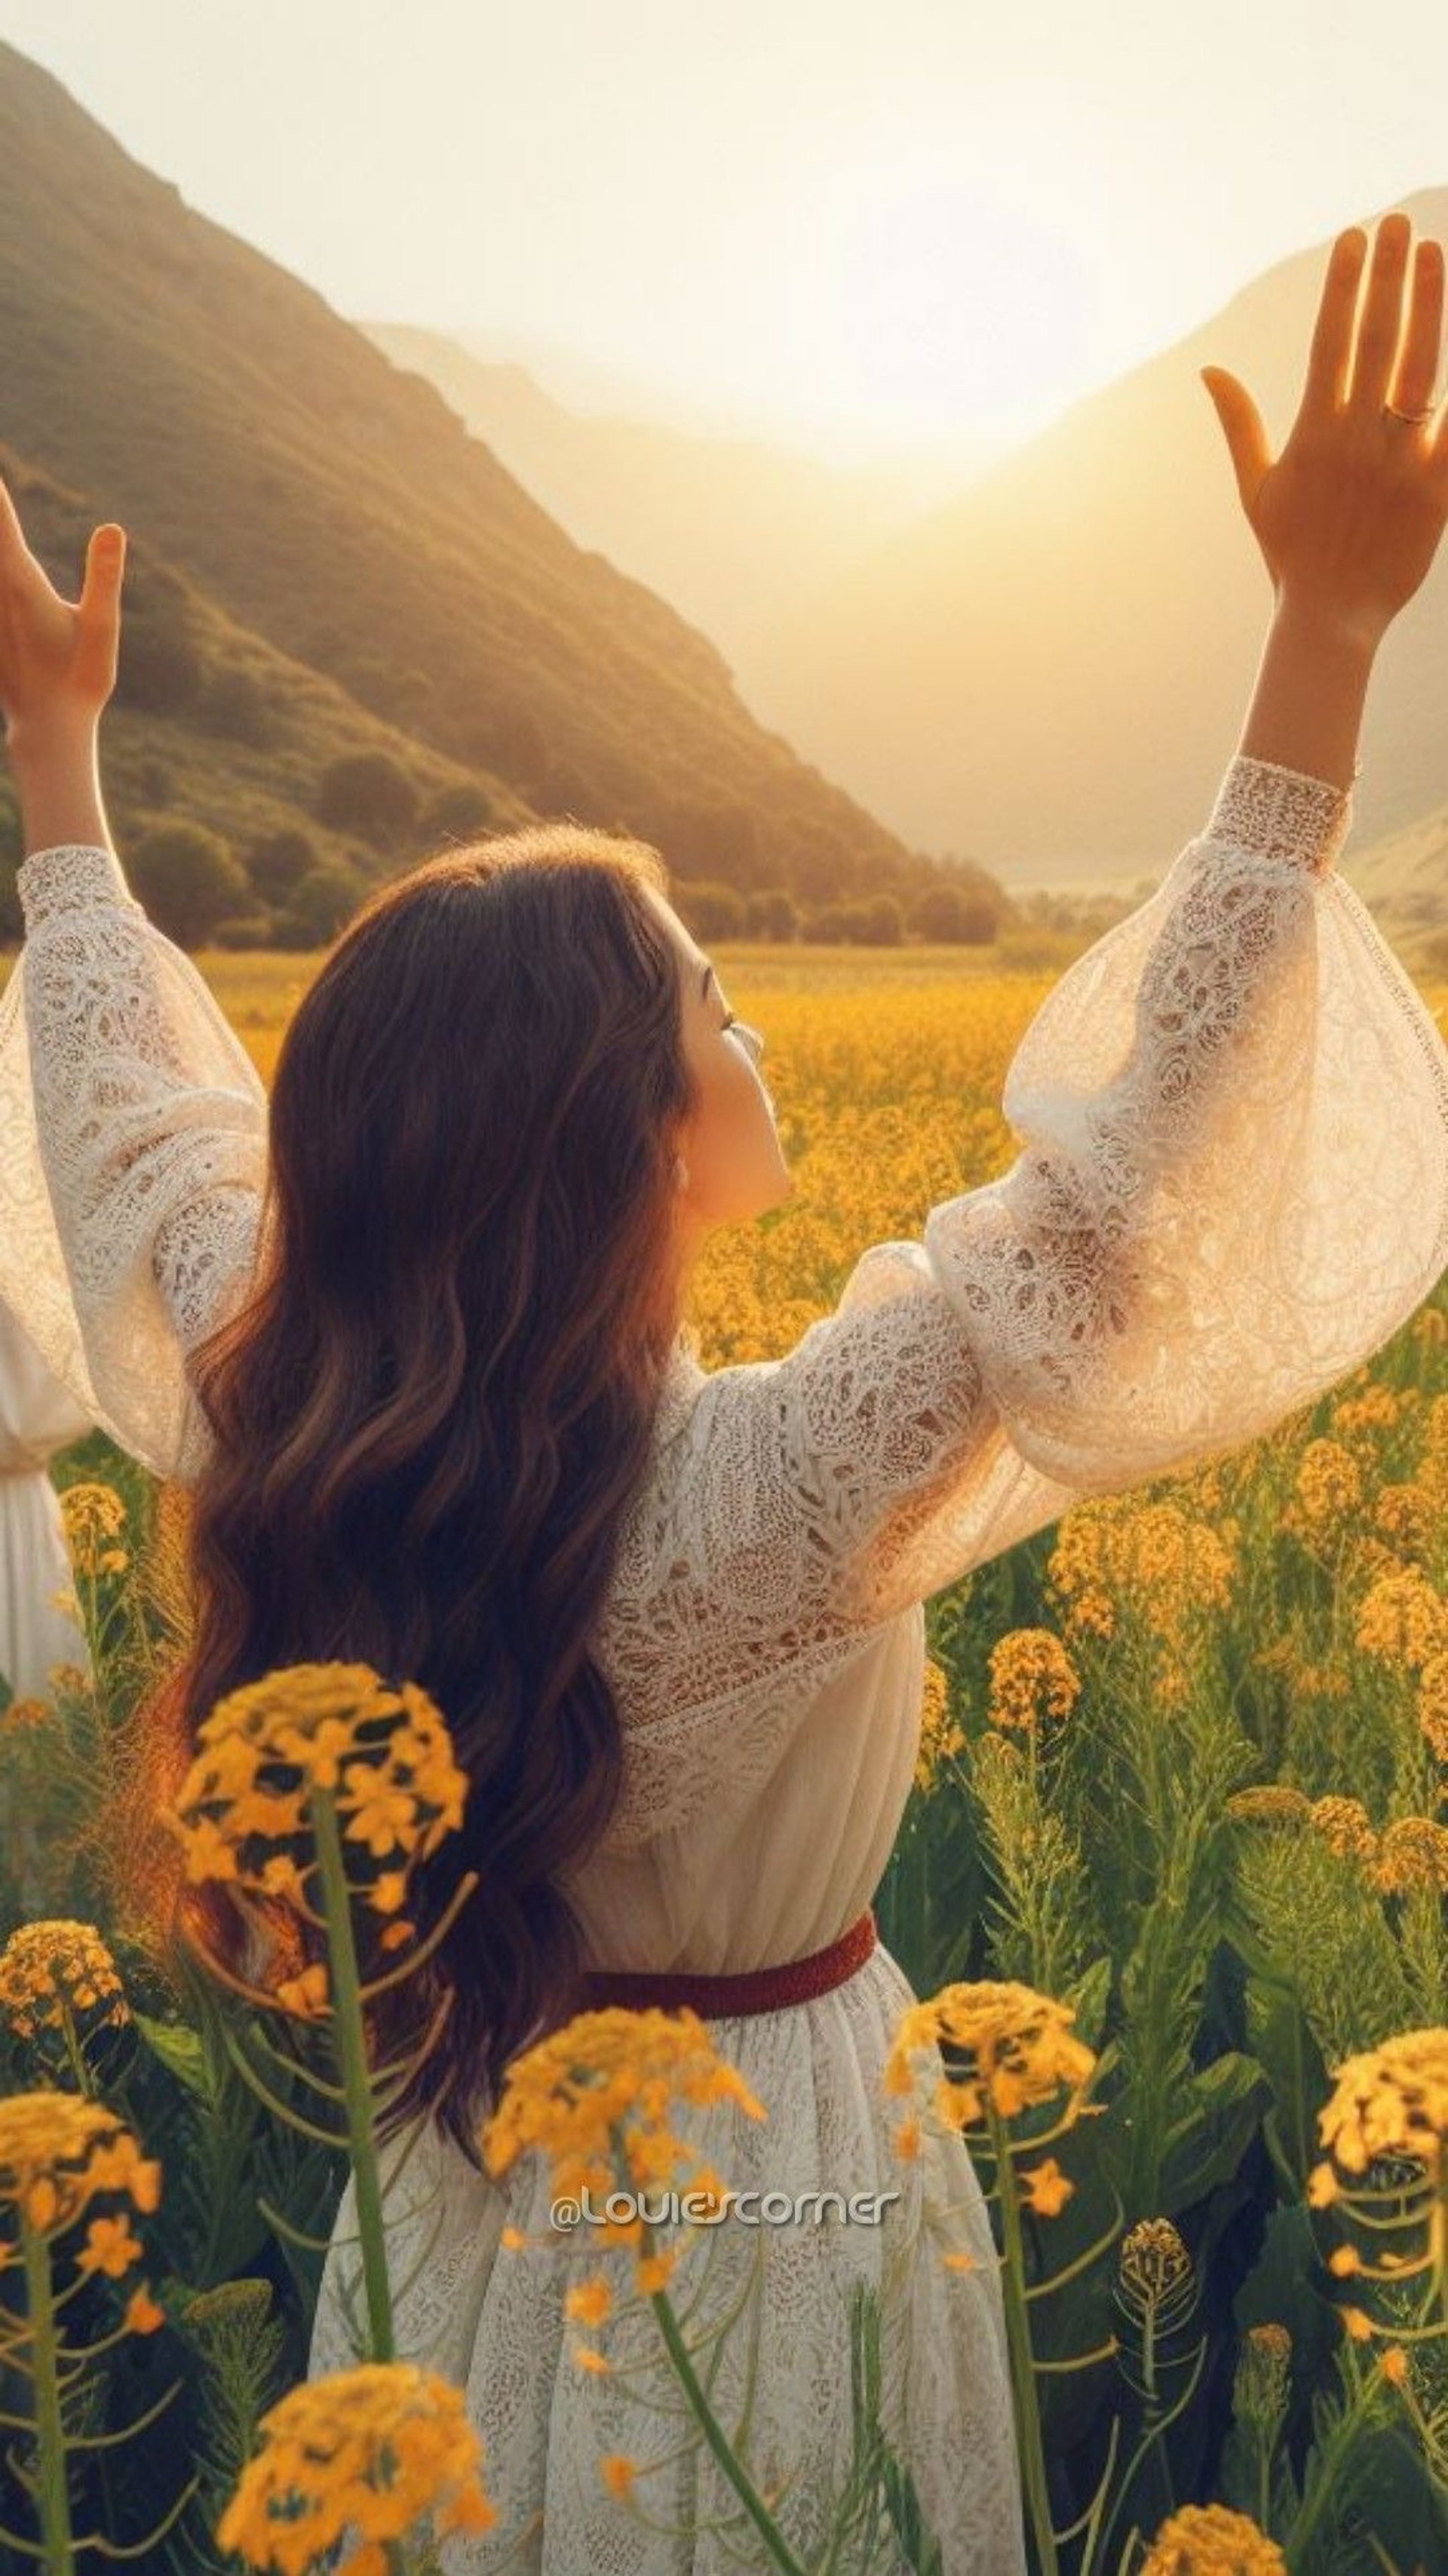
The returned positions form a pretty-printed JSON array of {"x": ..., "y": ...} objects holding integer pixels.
[
  {"x": 58, "y": 2150},
  {"x": 1377, "y": 1409},
  {"x": 1031, "y": 1678},
  {"x": 109, "y": 2247},
  {"x": 338, "y": 1730},
  {"x": 94, "y": 1516},
  {"x": 1345, "y": 1827},
  {"x": 1322, "y": 2187},
  {"x": 1402, "y": 1619},
  {"x": 1358, "y": 2324},
  {"x": 1156, "y": 1562},
  {"x": 1211, "y": 2540},
  {"x": 373, "y": 2452},
  {"x": 617, "y": 2471},
  {"x": 1413, "y": 1853},
  {"x": 940, "y": 1736},
  {"x": 600, "y": 2093},
  {"x": 1154, "y": 2262},
  {"x": 27, "y": 1712},
  {"x": 1329, "y": 1485},
  {"x": 1275, "y": 1803},
  {"x": 388, "y": 1892},
  {"x": 1020, "y": 2048},
  {"x": 60, "y": 1971},
  {"x": 1261, "y": 2381},
  {"x": 1394, "y": 2364},
  {"x": 1407, "y": 1513},
  {"x": 1391, "y": 2100},
  {"x": 590, "y": 2302},
  {"x": 142, "y": 2314},
  {"x": 305, "y": 1995},
  {"x": 1047, "y": 2189}
]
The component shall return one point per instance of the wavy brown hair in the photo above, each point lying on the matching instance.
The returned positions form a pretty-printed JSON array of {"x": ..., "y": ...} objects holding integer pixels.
[{"x": 436, "y": 1402}]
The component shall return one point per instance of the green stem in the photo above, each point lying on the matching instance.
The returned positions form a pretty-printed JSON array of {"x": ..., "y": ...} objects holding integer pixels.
[
  {"x": 51, "y": 2496},
  {"x": 718, "y": 2440},
  {"x": 1018, "y": 2336},
  {"x": 1341, "y": 2436},
  {"x": 1440, "y": 2247},
  {"x": 355, "y": 2073}
]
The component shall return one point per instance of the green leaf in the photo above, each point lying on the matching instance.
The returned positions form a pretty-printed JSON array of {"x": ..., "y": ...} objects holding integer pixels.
[
  {"x": 180, "y": 2050},
  {"x": 1090, "y": 1995},
  {"x": 1208, "y": 2139}
]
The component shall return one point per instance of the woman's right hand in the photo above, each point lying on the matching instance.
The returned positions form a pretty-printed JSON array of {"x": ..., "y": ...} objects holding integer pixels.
[
  {"x": 57, "y": 656},
  {"x": 1349, "y": 516}
]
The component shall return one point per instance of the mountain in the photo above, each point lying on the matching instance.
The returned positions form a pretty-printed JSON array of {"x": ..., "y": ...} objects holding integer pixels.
[
  {"x": 1052, "y": 670},
  {"x": 272, "y": 466},
  {"x": 734, "y": 532}
]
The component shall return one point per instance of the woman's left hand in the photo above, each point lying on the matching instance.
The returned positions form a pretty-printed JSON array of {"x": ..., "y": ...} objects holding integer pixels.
[{"x": 57, "y": 656}]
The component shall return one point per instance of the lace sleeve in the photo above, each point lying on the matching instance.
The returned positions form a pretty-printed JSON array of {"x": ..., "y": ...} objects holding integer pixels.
[
  {"x": 135, "y": 1149},
  {"x": 1233, "y": 1189}
]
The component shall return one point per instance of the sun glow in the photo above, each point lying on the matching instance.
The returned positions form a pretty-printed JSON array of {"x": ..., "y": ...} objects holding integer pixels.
[{"x": 946, "y": 286}]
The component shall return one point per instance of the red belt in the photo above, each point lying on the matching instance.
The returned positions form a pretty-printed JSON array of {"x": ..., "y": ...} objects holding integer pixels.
[{"x": 754, "y": 1990}]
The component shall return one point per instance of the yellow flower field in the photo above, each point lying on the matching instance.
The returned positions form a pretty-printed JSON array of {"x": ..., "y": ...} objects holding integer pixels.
[{"x": 1178, "y": 1841}]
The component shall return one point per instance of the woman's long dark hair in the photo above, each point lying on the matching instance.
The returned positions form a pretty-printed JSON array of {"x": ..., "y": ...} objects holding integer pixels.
[{"x": 436, "y": 1402}]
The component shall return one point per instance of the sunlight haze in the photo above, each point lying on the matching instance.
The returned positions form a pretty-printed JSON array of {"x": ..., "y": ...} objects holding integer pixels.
[{"x": 855, "y": 231}]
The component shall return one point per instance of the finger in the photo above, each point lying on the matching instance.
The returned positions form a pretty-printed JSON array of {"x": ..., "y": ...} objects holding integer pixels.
[
  {"x": 1418, "y": 364},
  {"x": 1330, "y": 357},
  {"x": 1382, "y": 317},
  {"x": 13, "y": 547},
  {"x": 105, "y": 564},
  {"x": 1242, "y": 426}
]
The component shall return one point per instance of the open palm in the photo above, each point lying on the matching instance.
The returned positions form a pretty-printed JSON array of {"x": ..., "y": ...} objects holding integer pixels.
[
  {"x": 1349, "y": 516},
  {"x": 57, "y": 656}
]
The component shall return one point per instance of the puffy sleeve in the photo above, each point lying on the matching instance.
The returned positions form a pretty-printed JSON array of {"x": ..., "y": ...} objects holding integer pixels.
[
  {"x": 1232, "y": 1188},
  {"x": 132, "y": 1155}
]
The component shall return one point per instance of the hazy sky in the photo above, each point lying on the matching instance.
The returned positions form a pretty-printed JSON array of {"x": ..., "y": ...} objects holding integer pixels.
[{"x": 850, "y": 225}]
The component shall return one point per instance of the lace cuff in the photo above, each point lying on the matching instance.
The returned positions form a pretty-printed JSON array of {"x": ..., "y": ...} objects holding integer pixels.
[
  {"x": 69, "y": 878},
  {"x": 1278, "y": 813}
]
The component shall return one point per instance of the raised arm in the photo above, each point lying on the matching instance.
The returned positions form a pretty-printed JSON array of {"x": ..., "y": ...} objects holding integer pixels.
[
  {"x": 1232, "y": 1189},
  {"x": 135, "y": 1123}
]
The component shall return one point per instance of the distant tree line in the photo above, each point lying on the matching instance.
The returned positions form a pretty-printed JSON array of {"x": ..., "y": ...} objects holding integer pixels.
[{"x": 288, "y": 890}]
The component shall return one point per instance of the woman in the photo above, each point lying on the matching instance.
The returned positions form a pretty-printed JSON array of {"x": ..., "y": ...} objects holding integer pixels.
[{"x": 441, "y": 1415}]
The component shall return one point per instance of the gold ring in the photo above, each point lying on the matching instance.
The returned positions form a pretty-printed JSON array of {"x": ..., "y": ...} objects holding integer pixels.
[{"x": 1413, "y": 416}]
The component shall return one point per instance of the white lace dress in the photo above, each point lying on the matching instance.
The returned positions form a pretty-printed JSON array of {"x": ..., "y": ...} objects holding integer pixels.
[
  {"x": 38, "y": 1415},
  {"x": 1232, "y": 1188}
]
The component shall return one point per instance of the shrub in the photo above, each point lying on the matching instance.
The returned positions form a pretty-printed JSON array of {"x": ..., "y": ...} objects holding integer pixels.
[
  {"x": 236, "y": 704},
  {"x": 188, "y": 879},
  {"x": 953, "y": 912},
  {"x": 456, "y": 813},
  {"x": 371, "y": 793},
  {"x": 772, "y": 914},
  {"x": 279, "y": 863},
  {"x": 711, "y": 910},
  {"x": 326, "y": 897}
]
